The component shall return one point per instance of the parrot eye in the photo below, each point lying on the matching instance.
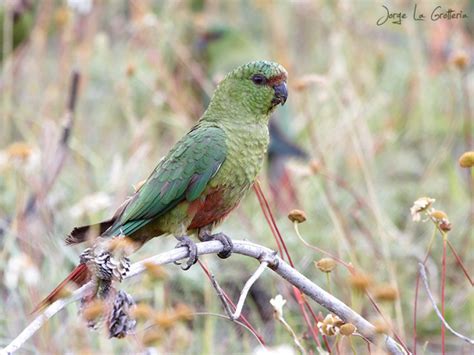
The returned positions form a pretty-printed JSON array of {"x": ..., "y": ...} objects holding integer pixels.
[{"x": 259, "y": 79}]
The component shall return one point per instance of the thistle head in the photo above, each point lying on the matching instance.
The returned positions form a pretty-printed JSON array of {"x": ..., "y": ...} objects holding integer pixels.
[{"x": 253, "y": 89}]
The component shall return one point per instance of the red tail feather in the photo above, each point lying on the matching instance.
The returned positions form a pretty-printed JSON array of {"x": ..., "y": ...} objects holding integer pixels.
[{"x": 79, "y": 276}]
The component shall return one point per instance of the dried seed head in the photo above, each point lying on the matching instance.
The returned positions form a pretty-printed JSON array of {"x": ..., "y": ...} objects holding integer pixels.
[
  {"x": 130, "y": 71},
  {"x": 330, "y": 325},
  {"x": 297, "y": 216},
  {"x": 157, "y": 272},
  {"x": 467, "y": 160},
  {"x": 438, "y": 215},
  {"x": 386, "y": 293},
  {"x": 152, "y": 337},
  {"x": 441, "y": 220},
  {"x": 184, "y": 312},
  {"x": 326, "y": 264},
  {"x": 165, "y": 319},
  {"x": 348, "y": 329},
  {"x": 360, "y": 282},
  {"x": 460, "y": 59},
  {"x": 19, "y": 150},
  {"x": 381, "y": 326},
  {"x": 445, "y": 226},
  {"x": 94, "y": 310},
  {"x": 62, "y": 16},
  {"x": 142, "y": 311},
  {"x": 423, "y": 204}
]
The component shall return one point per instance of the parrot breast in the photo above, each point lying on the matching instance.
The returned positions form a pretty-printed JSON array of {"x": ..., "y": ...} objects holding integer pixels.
[
  {"x": 211, "y": 210},
  {"x": 246, "y": 148}
]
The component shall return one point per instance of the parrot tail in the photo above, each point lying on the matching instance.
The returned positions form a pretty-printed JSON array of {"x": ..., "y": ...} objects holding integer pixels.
[
  {"x": 80, "y": 275},
  {"x": 81, "y": 234}
]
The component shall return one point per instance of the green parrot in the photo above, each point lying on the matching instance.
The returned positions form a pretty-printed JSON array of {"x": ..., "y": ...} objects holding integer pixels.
[{"x": 195, "y": 186}]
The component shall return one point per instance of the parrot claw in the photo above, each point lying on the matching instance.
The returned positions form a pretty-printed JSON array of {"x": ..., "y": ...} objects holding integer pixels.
[
  {"x": 224, "y": 239},
  {"x": 187, "y": 242}
]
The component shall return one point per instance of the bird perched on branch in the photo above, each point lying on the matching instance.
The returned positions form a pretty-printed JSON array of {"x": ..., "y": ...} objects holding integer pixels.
[{"x": 195, "y": 186}]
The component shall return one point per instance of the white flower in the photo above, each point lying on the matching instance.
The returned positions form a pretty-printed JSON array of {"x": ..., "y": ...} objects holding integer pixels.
[
  {"x": 331, "y": 325},
  {"x": 278, "y": 302},
  {"x": 421, "y": 205}
]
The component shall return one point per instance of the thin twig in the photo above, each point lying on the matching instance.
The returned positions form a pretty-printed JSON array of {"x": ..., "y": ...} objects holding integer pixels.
[
  {"x": 220, "y": 294},
  {"x": 235, "y": 321},
  {"x": 438, "y": 313},
  {"x": 256, "y": 251},
  {"x": 458, "y": 259},
  {"x": 293, "y": 334},
  {"x": 339, "y": 260},
  {"x": 302, "y": 302},
  {"x": 228, "y": 304},
  {"x": 246, "y": 289}
]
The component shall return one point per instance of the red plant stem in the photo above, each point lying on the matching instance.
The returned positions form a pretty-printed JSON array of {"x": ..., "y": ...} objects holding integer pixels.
[
  {"x": 272, "y": 220},
  {"x": 461, "y": 264},
  {"x": 265, "y": 213},
  {"x": 316, "y": 319},
  {"x": 379, "y": 311},
  {"x": 301, "y": 304},
  {"x": 325, "y": 338},
  {"x": 280, "y": 242},
  {"x": 443, "y": 284}
]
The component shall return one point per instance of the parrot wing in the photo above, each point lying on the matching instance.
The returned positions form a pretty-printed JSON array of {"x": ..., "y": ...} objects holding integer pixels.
[{"x": 182, "y": 175}]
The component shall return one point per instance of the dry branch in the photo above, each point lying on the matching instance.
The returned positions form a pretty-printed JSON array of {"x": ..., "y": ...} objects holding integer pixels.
[
  {"x": 435, "y": 307},
  {"x": 258, "y": 252}
]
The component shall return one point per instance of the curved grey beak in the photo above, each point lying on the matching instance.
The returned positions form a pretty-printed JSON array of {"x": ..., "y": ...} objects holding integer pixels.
[{"x": 281, "y": 94}]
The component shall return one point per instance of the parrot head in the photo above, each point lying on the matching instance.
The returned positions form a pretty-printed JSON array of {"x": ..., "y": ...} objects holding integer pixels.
[{"x": 255, "y": 88}]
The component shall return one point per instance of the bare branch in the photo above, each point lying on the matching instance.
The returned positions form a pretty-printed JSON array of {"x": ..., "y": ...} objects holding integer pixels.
[
  {"x": 438, "y": 313},
  {"x": 220, "y": 294},
  {"x": 246, "y": 289},
  {"x": 256, "y": 251}
]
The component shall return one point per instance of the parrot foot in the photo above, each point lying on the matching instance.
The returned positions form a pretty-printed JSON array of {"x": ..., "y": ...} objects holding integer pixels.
[
  {"x": 187, "y": 242},
  {"x": 224, "y": 239}
]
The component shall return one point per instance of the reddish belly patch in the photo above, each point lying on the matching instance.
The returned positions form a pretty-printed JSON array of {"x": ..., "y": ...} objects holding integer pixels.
[{"x": 212, "y": 210}]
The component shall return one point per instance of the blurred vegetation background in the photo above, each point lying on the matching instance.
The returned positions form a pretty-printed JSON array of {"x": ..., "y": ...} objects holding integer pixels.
[{"x": 377, "y": 117}]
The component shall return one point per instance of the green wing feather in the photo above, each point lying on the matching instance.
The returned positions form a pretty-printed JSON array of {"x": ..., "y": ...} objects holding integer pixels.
[{"x": 182, "y": 175}]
